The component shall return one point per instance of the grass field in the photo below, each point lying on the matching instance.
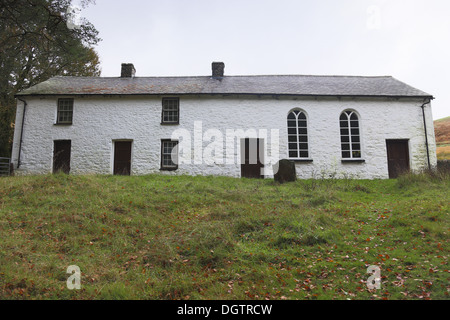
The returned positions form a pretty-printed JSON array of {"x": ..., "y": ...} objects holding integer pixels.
[
  {"x": 443, "y": 152},
  {"x": 442, "y": 132},
  {"x": 161, "y": 237}
]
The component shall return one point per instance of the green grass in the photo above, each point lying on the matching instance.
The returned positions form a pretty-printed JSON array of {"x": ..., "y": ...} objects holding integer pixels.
[
  {"x": 161, "y": 237},
  {"x": 443, "y": 119}
]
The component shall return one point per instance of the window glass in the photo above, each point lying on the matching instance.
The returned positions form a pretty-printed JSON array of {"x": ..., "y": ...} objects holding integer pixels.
[
  {"x": 350, "y": 139},
  {"x": 297, "y": 135}
]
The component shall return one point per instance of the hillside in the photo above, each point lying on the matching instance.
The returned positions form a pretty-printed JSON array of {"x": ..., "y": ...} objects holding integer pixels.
[
  {"x": 209, "y": 238},
  {"x": 442, "y": 133}
]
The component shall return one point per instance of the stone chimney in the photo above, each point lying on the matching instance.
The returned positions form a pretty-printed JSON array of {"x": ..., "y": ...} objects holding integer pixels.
[
  {"x": 217, "y": 69},
  {"x": 128, "y": 70}
]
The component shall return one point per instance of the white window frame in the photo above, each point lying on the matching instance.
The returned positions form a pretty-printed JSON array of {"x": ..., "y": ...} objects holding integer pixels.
[
  {"x": 59, "y": 110},
  {"x": 173, "y": 153},
  {"x": 298, "y": 135},
  {"x": 169, "y": 111},
  {"x": 353, "y": 153}
]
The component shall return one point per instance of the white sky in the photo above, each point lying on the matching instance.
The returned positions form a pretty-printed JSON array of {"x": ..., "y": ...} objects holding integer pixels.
[{"x": 407, "y": 39}]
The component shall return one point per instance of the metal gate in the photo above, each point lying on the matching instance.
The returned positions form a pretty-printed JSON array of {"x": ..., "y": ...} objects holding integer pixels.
[{"x": 5, "y": 166}]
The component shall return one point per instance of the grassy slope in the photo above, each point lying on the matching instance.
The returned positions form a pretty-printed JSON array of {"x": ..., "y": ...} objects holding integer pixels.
[
  {"x": 442, "y": 132},
  {"x": 159, "y": 237}
]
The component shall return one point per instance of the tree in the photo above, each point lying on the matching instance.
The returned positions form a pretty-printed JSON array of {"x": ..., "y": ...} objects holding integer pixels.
[{"x": 37, "y": 42}]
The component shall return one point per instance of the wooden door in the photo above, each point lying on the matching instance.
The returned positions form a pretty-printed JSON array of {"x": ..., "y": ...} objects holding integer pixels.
[
  {"x": 252, "y": 151},
  {"x": 122, "y": 158},
  {"x": 398, "y": 157},
  {"x": 61, "y": 156}
]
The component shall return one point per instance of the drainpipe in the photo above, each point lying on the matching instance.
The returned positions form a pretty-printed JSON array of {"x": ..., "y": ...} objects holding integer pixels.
[
  {"x": 425, "y": 128},
  {"x": 21, "y": 130}
]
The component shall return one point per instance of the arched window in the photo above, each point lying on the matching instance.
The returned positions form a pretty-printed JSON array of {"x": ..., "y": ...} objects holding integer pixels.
[
  {"x": 297, "y": 134},
  {"x": 350, "y": 135}
]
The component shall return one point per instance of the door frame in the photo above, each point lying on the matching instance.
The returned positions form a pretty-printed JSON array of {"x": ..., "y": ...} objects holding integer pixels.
[
  {"x": 249, "y": 170},
  {"x": 67, "y": 170},
  {"x": 393, "y": 172},
  {"x": 113, "y": 162}
]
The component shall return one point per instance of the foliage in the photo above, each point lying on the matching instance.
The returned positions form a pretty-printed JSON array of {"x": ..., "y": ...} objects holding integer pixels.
[
  {"x": 35, "y": 45},
  {"x": 165, "y": 237}
]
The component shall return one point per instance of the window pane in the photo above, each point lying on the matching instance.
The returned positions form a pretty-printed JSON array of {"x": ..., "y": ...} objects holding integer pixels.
[
  {"x": 345, "y": 139},
  {"x": 344, "y": 124},
  {"x": 302, "y": 116},
  {"x": 304, "y": 154},
  {"x": 343, "y": 117},
  {"x": 292, "y": 123},
  {"x": 292, "y": 131},
  {"x": 291, "y": 116},
  {"x": 303, "y": 138},
  {"x": 356, "y": 154},
  {"x": 292, "y": 138},
  {"x": 302, "y": 124},
  {"x": 355, "y": 132},
  {"x": 345, "y": 146},
  {"x": 345, "y": 154},
  {"x": 293, "y": 154},
  {"x": 303, "y": 146},
  {"x": 293, "y": 146},
  {"x": 302, "y": 131},
  {"x": 344, "y": 132}
]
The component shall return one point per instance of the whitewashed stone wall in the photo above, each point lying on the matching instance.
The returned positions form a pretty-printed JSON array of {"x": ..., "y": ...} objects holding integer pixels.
[{"x": 99, "y": 121}]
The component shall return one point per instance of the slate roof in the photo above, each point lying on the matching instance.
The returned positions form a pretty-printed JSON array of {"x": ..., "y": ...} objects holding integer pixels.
[{"x": 295, "y": 85}]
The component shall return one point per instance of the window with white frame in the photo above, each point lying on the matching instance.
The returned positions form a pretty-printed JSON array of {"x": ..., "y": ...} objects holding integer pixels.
[
  {"x": 350, "y": 135},
  {"x": 65, "y": 111},
  {"x": 297, "y": 126},
  {"x": 170, "y": 111},
  {"x": 169, "y": 155}
]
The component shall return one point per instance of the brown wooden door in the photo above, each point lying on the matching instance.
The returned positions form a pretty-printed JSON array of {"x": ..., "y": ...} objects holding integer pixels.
[
  {"x": 252, "y": 151},
  {"x": 398, "y": 157},
  {"x": 61, "y": 156},
  {"x": 122, "y": 158}
]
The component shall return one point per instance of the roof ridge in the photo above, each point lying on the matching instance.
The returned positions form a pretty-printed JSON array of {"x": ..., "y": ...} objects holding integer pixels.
[{"x": 232, "y": 76}]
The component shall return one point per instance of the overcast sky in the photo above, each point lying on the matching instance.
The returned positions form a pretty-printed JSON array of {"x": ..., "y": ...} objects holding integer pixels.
[{"x": 407, "y": 39}]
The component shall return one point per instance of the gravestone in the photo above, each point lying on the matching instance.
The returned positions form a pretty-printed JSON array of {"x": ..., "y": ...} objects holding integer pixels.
[{"x": 284, "y": 171}]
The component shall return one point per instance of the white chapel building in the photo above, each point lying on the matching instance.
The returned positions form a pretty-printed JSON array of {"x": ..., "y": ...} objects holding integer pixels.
[{"x": 238, "y": 126}]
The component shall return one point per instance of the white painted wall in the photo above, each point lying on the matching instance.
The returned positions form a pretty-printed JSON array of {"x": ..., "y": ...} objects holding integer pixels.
[{"x": 98, "y": 121}]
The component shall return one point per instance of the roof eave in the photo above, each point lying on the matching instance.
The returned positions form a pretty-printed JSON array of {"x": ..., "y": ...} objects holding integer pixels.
[{"x": 427, "y": 96}]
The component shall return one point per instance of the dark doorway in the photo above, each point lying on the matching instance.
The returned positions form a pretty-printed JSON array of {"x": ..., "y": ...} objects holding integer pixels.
[
  {"x": 252, "y": 152},
  {"x": 122, "y": 158},
  {"x": 398, "y": 157},
  {"x": 61, "y": 156}
]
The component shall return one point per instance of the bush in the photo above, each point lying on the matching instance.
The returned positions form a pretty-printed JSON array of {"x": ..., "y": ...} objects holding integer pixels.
[{"x": 443, "y": 166}]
